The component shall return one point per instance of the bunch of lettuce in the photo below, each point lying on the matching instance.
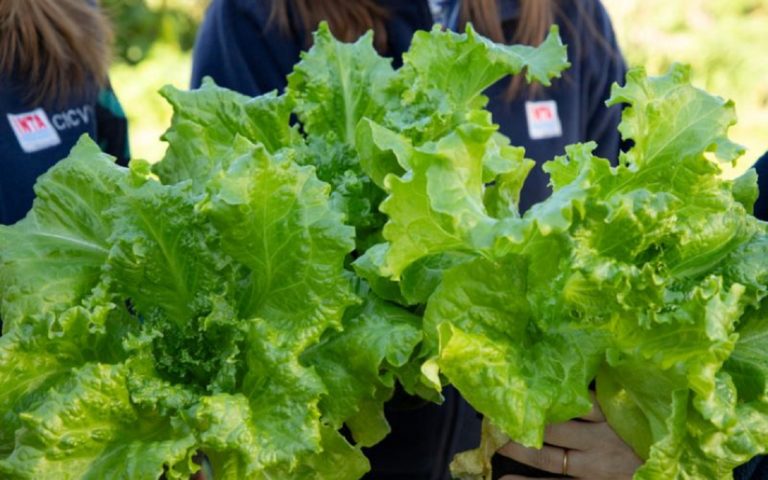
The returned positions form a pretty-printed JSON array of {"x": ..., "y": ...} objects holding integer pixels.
[
  {"x": 295, "y": 255},
  {"x": 648, "y": 278},
  {"x": 208, "y": 304}
]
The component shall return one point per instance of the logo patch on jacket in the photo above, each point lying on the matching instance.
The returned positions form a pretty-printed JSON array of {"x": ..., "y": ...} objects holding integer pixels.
[
  {"x": 34, "y": 131},
  {"x": 543, "y": 120}
]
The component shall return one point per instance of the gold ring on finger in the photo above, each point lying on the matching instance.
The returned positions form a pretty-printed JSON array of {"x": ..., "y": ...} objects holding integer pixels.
[{"x": 565, "y": 461}]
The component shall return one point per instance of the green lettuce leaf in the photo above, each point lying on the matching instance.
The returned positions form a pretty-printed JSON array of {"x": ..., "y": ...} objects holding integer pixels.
[
  {"x": 87, "y": 427},
  {"x": 207, "y": 122},
  {"x": 37, "y": 356},
  {"x": 184, "y": 333},
  {"x": 337, "y": 84},
  {"x": 275, "y": 218},
  {"x": 334, "y": 87},
  {"x": 444, "y": 75},
  {"x": 437, "y": 205},
  {"x": 353, "y": 366},
  {"x": 635, "y": 271},
  {"x": 164, "y": 256},
  {"x": 51, "y": 260},
  {"x": 205, "y": 304},
  {"x": 523, "y": 376}
]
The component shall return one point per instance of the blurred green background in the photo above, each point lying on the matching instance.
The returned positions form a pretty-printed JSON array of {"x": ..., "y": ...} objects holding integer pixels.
[
  {"x": 153, "y": 43},
  {"x": 724, "y": 41}
]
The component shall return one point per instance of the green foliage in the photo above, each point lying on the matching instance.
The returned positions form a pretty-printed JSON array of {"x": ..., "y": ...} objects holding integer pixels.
[
  {"x": 176, "y": 323},
  {"x": 203, "y": 303},
  {"x": 208, "y": 302},
  {"x": 723, "y": 42},
  {"x": 642, "y": 277},
  {"x": 139, "y": 25}
]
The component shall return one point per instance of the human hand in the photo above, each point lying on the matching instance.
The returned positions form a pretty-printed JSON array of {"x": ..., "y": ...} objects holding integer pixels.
[{"x": 586, "y": 449}]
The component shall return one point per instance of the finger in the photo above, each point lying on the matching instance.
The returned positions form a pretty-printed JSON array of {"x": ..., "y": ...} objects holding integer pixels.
[
  {"x": 547, "y": 458},
  {"x": 573, "y": 435},
  {"x": 594, "y": 415}
]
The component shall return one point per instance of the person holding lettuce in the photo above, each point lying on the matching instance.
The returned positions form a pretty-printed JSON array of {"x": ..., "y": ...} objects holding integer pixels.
[
  {"x": 54, "y": 57},
  {"x": 251, "y": 46}
]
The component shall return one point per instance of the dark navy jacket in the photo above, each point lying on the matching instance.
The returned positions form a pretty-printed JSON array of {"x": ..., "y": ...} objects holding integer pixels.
[
  {"x": 34, "y": 137},
  {"x": 761, "y": 206},
  {"x": 240, "y": 51},
  {"x": 758, "y": 469}
]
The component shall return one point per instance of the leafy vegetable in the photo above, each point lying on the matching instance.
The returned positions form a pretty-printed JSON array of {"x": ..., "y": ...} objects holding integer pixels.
[
  {"x": 636, "y": 276},
  {"x": 267, "y": 283},
  {"x": 190, "y": 317},
  {"x": 202, "y": 304}
]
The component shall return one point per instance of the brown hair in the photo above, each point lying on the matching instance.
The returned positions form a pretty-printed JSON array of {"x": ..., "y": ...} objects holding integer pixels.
[
  {"x": 536, "y": 16},
  {"x": 58, "y": 47},
  {"x": 350, "y": 19}
]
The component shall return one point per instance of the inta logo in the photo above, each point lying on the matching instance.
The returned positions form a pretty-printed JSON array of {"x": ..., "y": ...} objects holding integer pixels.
[{"x": 34, "y": 131}]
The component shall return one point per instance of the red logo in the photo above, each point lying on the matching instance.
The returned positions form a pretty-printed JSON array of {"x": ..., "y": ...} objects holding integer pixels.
[
  {"x": 543, "y": 113},
  {"x": 30, "y": 123},
  {"x": 543, "y": 121},
  {"x": 33, "y": 130}
]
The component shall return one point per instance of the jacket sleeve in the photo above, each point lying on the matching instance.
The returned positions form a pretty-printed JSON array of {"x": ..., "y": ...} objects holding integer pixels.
[
  {"x": 112, "y": 126},
  {"x": 605, "y": 66}
]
